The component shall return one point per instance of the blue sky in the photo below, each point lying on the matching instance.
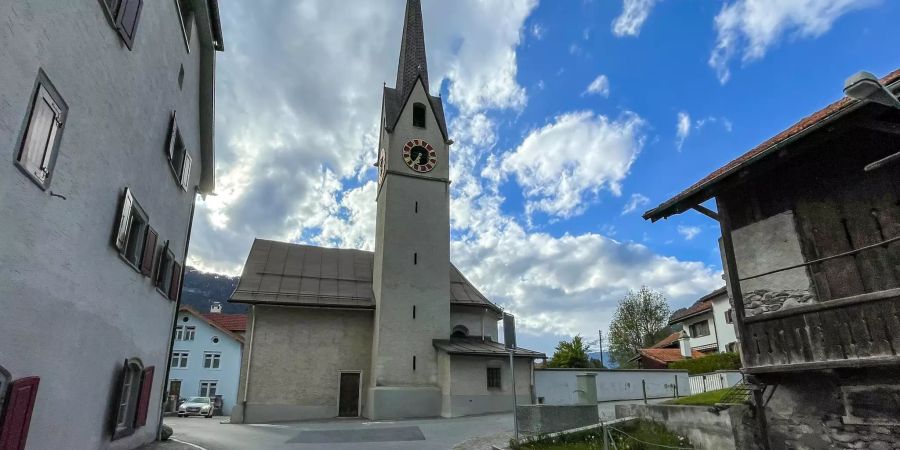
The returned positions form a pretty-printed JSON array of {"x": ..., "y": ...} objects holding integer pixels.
[{"x": 550, "y": 175}]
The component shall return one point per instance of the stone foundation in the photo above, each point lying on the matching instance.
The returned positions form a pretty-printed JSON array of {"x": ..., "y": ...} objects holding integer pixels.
[{"x": 763, "y": 301}]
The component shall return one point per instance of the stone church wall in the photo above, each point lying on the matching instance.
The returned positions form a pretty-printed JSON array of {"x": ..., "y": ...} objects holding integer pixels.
[{"x": 296, "y": 360}]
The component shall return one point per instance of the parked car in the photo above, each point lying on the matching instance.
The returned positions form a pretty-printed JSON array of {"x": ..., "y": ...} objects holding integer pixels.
[{"x": 196, "y": 406}]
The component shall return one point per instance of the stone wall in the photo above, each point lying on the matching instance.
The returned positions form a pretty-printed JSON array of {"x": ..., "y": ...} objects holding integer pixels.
[
  {"x": 763, "y": 301},
  {"x": 831, "y": 410}
]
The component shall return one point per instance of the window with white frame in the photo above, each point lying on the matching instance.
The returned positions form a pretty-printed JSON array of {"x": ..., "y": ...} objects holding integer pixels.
[
  {"x": 39, "y": 142},
  {"x": 211, "y": 360},
  {"x": 179, "y": 360},
  {"x": 729, "y": 317},
  {"x": 186, "y": 17},
  {"x": 178, "y": 155},
  {"x": 179, "y": 333},
  {"x": 132, "y": 231},
  {"x": 189, "y": 333},
  {"x": 127, "y": 404},
  {"x": 700, "y": 329},
  {"x": 208, "y": 388}
]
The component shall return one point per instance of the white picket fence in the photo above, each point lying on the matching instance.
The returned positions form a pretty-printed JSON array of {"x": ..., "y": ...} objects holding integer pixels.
[{"x": 714, "y": 381}]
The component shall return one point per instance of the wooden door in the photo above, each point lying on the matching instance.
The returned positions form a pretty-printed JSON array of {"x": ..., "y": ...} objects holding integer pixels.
[{"x": 348, "y": 400}]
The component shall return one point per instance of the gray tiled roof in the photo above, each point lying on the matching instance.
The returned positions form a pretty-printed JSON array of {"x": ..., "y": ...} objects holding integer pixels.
[
  {"x": 474, "y": 346},
  {"x": 280, "y": 273},
  {"x": 413, "y": 62}
]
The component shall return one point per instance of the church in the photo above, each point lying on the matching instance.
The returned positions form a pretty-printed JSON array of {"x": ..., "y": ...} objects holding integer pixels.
[{"x": 395, "y": 333}]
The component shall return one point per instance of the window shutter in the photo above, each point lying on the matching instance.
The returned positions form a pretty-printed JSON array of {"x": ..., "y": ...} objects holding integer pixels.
[
  {"x": 127, "y": 20},
  {"x": 173, "y": 132},
  {"x": 17, "y": 417},
  {"x": 37, "y": 149},
  {"x": 161, "y": 265},
  {"x": 140, "y": 419},
  {"x": 124, "y": 220},
  {"x": 149, "y": 252},
  {"x": 175, "y": 286},
  {"x": 186, "y": 171}
]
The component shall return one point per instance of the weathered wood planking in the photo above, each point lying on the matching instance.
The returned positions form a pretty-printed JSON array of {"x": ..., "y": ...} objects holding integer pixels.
[{"x": 847, "y": 332}]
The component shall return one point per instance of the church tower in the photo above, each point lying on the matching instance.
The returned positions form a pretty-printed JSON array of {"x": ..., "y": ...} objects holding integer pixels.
[{"x": 412, "y": 243}]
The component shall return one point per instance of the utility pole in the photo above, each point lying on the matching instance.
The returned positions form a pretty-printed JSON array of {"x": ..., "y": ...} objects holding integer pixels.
[{"x": 600, "y": 333}]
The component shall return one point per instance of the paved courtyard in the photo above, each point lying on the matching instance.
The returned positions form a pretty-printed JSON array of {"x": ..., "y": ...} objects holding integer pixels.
[{"x": 466, "y": 433}]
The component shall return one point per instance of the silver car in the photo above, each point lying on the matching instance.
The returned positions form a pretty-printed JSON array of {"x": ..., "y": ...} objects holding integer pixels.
[{"x": 196, "y": 406}]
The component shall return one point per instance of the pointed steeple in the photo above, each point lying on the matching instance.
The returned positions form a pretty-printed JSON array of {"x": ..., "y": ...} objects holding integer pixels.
[{"x": 412, "y": 50}]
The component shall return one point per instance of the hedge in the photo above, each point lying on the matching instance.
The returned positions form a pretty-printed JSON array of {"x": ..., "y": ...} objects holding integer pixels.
[{"x": 709, "y": 363}]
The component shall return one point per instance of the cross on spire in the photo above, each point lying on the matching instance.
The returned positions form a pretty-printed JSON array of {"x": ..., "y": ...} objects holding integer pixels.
[{"x": 413, "y": 62}]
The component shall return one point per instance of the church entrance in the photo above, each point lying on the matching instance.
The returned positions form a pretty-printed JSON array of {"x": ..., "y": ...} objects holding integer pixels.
[{"x": 348, "y": 397}]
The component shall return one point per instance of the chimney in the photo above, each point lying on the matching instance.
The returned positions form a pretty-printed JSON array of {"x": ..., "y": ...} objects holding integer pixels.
[
  {"x": 216, "y": 308},
  {"x": 684, "y": 343}
]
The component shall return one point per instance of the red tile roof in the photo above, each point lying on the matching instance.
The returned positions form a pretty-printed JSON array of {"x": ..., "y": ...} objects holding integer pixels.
[
  {"x": 689, "y": 198},
  {"x": 236, "y": 323},
  {"x": 189, "y": 310},
  {"x": 668, "y": 340},
  {"x": 666, "y": 355},
  {"x": 700, "y": 307}
]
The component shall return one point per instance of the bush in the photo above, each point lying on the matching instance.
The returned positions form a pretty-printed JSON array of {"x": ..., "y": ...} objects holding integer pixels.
[{"x": 709, "y": 363}]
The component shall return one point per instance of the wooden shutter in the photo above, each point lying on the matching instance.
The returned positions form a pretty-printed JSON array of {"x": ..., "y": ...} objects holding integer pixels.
[
  {"x": 43, "y": 125},
  {"x": 124, "y": 220},
  {"x": 186, "y": 171},
  {"x": 17, "y": 417},
  {"x": 127, "y": 20},
  {"x": 173, "y": 133},
  {"x": 175, "y": 286},
  {"x": 140, "y": 419},
  {"x": 161, "y": 266},
  {"x": 149, "y": 252}
]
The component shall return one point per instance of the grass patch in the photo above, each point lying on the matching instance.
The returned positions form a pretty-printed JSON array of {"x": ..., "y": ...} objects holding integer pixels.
[
  {"x": 705, "y": 399},
  {"x": 652, "y": 434}
]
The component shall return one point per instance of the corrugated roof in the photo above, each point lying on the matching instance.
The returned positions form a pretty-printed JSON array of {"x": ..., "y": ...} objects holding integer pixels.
[
  {"x": 232, "y": 322},
  {"x": 474, "y": 346},
  {"x": 280, "y": 273},
  {"x": 694, "y": 195}
]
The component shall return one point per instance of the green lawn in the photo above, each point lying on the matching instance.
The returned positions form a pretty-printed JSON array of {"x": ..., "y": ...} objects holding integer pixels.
[
  {"x": 634, "y": 436},
  {"x": 705, "y": 399}
]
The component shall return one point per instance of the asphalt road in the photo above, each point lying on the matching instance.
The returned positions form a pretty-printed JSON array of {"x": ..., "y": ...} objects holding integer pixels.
[{"x": 464, "y": 433}]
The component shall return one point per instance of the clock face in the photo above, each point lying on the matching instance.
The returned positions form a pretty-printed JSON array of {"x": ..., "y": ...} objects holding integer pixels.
[
  {"x": 381, "y": 168},
  {"x": 419, "y": 156}
]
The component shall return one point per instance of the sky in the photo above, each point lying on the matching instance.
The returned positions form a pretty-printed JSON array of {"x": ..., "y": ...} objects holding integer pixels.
[{"x": 570, "y": 117}]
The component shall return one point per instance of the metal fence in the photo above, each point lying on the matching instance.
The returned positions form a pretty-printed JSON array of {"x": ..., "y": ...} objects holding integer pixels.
[{"x": 714, "y": 381}]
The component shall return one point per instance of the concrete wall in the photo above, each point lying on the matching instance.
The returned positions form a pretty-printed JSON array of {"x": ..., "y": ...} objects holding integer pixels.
[
  {"x": 557, "y": 386},
  {"x": 467, "y": 392},
  {"x": 473, "y": 318},
  {"x": 766, "y": 245},
  {"x": 69, "y": 303},
  {"x": 706, "y": 429},
  {"x": 296, "y": 360},
  {"x": 542, "y": 419},
  {"x": 226, "y": 376}
]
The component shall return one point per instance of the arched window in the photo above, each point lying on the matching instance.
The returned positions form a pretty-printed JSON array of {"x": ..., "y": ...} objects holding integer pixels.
[
  {"x": 460, "y": 331},
  {"x": 419, "y": 115},
  {"x": 126, "y": 407}
]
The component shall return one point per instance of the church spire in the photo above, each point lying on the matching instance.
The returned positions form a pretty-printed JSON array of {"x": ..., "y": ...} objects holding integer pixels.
[{"x": 412, "y": 50}]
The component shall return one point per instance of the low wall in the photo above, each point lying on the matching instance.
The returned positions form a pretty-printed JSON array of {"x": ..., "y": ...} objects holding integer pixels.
[
  {"x": 543, "y": 419},
  {"x": 706, "y": 427},
  {"x": 558, "y": 386}
]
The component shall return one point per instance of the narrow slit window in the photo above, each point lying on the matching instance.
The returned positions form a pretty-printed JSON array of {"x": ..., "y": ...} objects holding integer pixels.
[
  {"x": 415, "y": 258},
  {"x": 414, "y": 311},
  {"x": 417, "y": 207},
  {"x": 419, "y": 115},
  {"x": 414, "y": 363}
]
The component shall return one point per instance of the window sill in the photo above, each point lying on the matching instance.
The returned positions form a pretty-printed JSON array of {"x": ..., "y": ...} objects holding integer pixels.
[{"x": 130, "y": 264}]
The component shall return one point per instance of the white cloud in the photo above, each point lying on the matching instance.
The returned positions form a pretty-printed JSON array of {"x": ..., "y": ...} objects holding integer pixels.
[
  {"x": 751, "y": 27},
  {"x": 689, "y": 233},
  {"x": 538, "y": 31},
  {"x": 634, "y": 14},
  {"x": 636, "y": 201},
  {"x": 580, "y": 153},
  {"x": 600, "y": 86},
  {"x": 683, "y": 129}
]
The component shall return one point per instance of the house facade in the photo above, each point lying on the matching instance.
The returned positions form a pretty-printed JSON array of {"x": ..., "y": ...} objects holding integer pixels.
[
  {"x": 709, "y": 323},
  {"x": 394, "y": 333},
  {"x": 98, "y": 189},
  {"x": 206, "y": 361},
  {"x": 810, "y": 221}
]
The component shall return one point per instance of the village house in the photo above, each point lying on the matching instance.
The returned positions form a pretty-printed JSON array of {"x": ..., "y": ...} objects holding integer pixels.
[
  {"x": 98, "y": 194},
  {"x": 394, "y": 333},
  {"x": 709, "y": 323},
  {"x": 206, "y": 359},
  {"x": 810, "y": 221}
]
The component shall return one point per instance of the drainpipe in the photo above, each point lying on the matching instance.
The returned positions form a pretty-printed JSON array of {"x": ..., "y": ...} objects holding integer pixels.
[
  {"x": 249, "y": 356},
  {"x": 174, "y": 322}
]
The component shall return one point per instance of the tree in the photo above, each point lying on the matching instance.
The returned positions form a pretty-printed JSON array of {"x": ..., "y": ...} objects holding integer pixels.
[
  {"x": 571, "y": 355},
  {"x": 640, "y": 321}
]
